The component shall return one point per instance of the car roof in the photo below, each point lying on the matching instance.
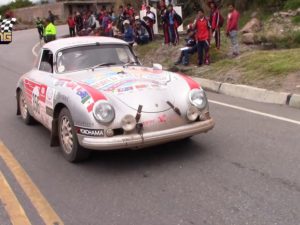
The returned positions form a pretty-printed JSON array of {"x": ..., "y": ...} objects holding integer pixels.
[{"x": 58, "y": 44}]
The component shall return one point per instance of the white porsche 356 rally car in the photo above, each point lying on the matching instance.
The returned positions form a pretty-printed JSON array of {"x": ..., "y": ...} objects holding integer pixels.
[{"x": 93, "y": 94}]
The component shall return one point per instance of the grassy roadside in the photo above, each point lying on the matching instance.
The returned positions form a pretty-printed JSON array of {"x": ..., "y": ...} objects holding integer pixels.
[{"x": 272, "y": 69}]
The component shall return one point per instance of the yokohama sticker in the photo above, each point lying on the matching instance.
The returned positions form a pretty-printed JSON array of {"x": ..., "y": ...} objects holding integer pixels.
[{"x": 91, "y": 132}]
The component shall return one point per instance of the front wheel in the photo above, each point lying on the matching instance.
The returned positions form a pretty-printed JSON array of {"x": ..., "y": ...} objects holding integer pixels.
[
  {"x": 27, "y": 118},
  {"x": 71, "y": 149}
]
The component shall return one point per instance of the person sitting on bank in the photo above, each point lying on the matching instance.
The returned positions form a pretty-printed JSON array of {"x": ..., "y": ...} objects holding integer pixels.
[
  {"x": 49, "y": 31},
  {"x": 128, "y": 32},
  {"x": 190, "y": 49},
  {"x": 141, "y": 34}
]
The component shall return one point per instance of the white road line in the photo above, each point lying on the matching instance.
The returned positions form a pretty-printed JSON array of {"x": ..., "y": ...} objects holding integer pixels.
[
  {"x": 33, "y": 49},
  {"x": 256, "y": 112}
]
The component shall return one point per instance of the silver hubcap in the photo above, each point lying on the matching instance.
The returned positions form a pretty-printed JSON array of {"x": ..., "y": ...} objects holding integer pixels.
[
  {"x": 66, "y": 135},
  {"x": 23, "y": 106}
]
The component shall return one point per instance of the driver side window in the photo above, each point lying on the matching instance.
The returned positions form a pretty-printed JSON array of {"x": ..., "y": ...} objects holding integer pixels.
[{"x": 46, "y": 64}]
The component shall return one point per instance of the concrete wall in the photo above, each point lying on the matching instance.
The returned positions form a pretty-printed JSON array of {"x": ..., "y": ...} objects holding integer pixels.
[{"x": 30, "y": 13}]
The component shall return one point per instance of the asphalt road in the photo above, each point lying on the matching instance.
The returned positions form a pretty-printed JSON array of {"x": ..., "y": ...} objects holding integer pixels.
[{"x": 246, "y": 171}]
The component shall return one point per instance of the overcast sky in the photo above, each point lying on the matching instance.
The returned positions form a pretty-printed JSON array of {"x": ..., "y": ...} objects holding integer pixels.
[{"x": 3, "y": 2}]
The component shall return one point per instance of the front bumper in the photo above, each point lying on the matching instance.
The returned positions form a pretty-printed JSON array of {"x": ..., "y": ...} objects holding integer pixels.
[{"x": 147, "y": 139}]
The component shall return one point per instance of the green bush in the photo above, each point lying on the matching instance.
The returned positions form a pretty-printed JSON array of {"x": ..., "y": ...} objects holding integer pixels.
[
  {"x": 296, "y": 19},
  {"x": 297, "y": 37},
  {"x": 292, "y": 4}
]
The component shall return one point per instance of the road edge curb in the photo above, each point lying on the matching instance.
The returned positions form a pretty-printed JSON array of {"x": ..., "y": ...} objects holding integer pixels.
[{"x": 250, "y": 92}]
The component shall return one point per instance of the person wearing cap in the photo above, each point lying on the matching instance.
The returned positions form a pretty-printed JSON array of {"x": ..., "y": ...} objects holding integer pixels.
[
  {"x": 49, "y": 31},
  {"x": 190, "y": 49},
  {"x": 150, "y": 19},
  {"x": 128, "y": 32},
  {"x": 141, "y": 34}
]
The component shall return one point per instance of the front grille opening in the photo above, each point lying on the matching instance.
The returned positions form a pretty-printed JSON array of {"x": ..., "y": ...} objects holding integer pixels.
[{"x": 118, "y": 131}]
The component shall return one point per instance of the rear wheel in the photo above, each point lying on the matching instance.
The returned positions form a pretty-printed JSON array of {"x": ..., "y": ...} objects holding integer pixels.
[
  {"x": 71, "y": 149},
  {"x": 27, "y": 118}
]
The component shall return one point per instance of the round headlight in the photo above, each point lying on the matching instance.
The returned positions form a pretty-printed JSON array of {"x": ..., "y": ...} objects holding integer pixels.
[
  {"x": 128, "y": 123},
  {"x": 103, "y": 112},
  {"x": 192, "y": 113},
  {"x": 197, "y": 98}
]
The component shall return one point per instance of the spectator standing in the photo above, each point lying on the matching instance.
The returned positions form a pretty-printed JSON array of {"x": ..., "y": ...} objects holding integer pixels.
[
  {"x": 128, "y": 32},
  {"x": 49, "y": 31},
  {"x": 173, "y": 21},
  {"x": 91, "y": 20},
  {"x": 232, "y": 28},
  {"x": 121, "y": 18},
  {"x": 108, "y": 31},
  {"x": 164, "y": 21},
  {"x": 216, "y": 21},
  {"x": 150, "y": 20},
  {"x": 78, "y": 22},
  {"x": 71, "y": 24},
  {"x": 105, "y": 21},
  {"x": 141, "y": 34},
  {"x": 40, "y": 26},
  {"x": 85, "y": 24},
  {"x": 101, "y": 14},
  {"x": 51, "y": 16},
  {"x": 111, "y": 13},
  {"x": 115, "y": 30},
  {"x": 144, "y": 5},
  {"x": 129, "y": 13},
  {"x": 190, "y": 49},
  {"x": 202, "y": 26}
]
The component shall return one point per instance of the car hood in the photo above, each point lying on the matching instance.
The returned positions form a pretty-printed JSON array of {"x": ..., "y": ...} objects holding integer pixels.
[{"x": 134, "y": 86}]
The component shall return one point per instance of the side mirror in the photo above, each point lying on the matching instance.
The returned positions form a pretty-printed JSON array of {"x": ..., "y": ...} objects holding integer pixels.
[{"x": 157, "y": 66}]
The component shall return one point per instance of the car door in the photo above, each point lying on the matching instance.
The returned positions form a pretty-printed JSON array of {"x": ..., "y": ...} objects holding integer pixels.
[{"x": 39, "y": 89}]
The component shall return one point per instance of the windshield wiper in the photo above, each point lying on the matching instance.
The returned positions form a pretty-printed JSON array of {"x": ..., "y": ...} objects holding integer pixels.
[{"x": 103, "y": 64}]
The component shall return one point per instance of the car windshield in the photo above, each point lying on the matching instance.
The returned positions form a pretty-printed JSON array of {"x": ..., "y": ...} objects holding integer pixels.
[{"x": 93, "y": 56}]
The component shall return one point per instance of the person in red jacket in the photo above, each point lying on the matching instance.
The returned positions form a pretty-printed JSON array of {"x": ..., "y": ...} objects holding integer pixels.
[
  {"x": 232, "y": 28},
  {"x": 130, "y": 13},
  {"x": 216, "y": 21},
  {"x": 202, "y": 27},
  {"x": 71, "y": 24}
]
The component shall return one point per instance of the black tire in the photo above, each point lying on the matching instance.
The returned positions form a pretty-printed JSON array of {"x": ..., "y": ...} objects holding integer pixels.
[
  {"x": 25, "y": 115},
  {"x": 66, "y": 131}
]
